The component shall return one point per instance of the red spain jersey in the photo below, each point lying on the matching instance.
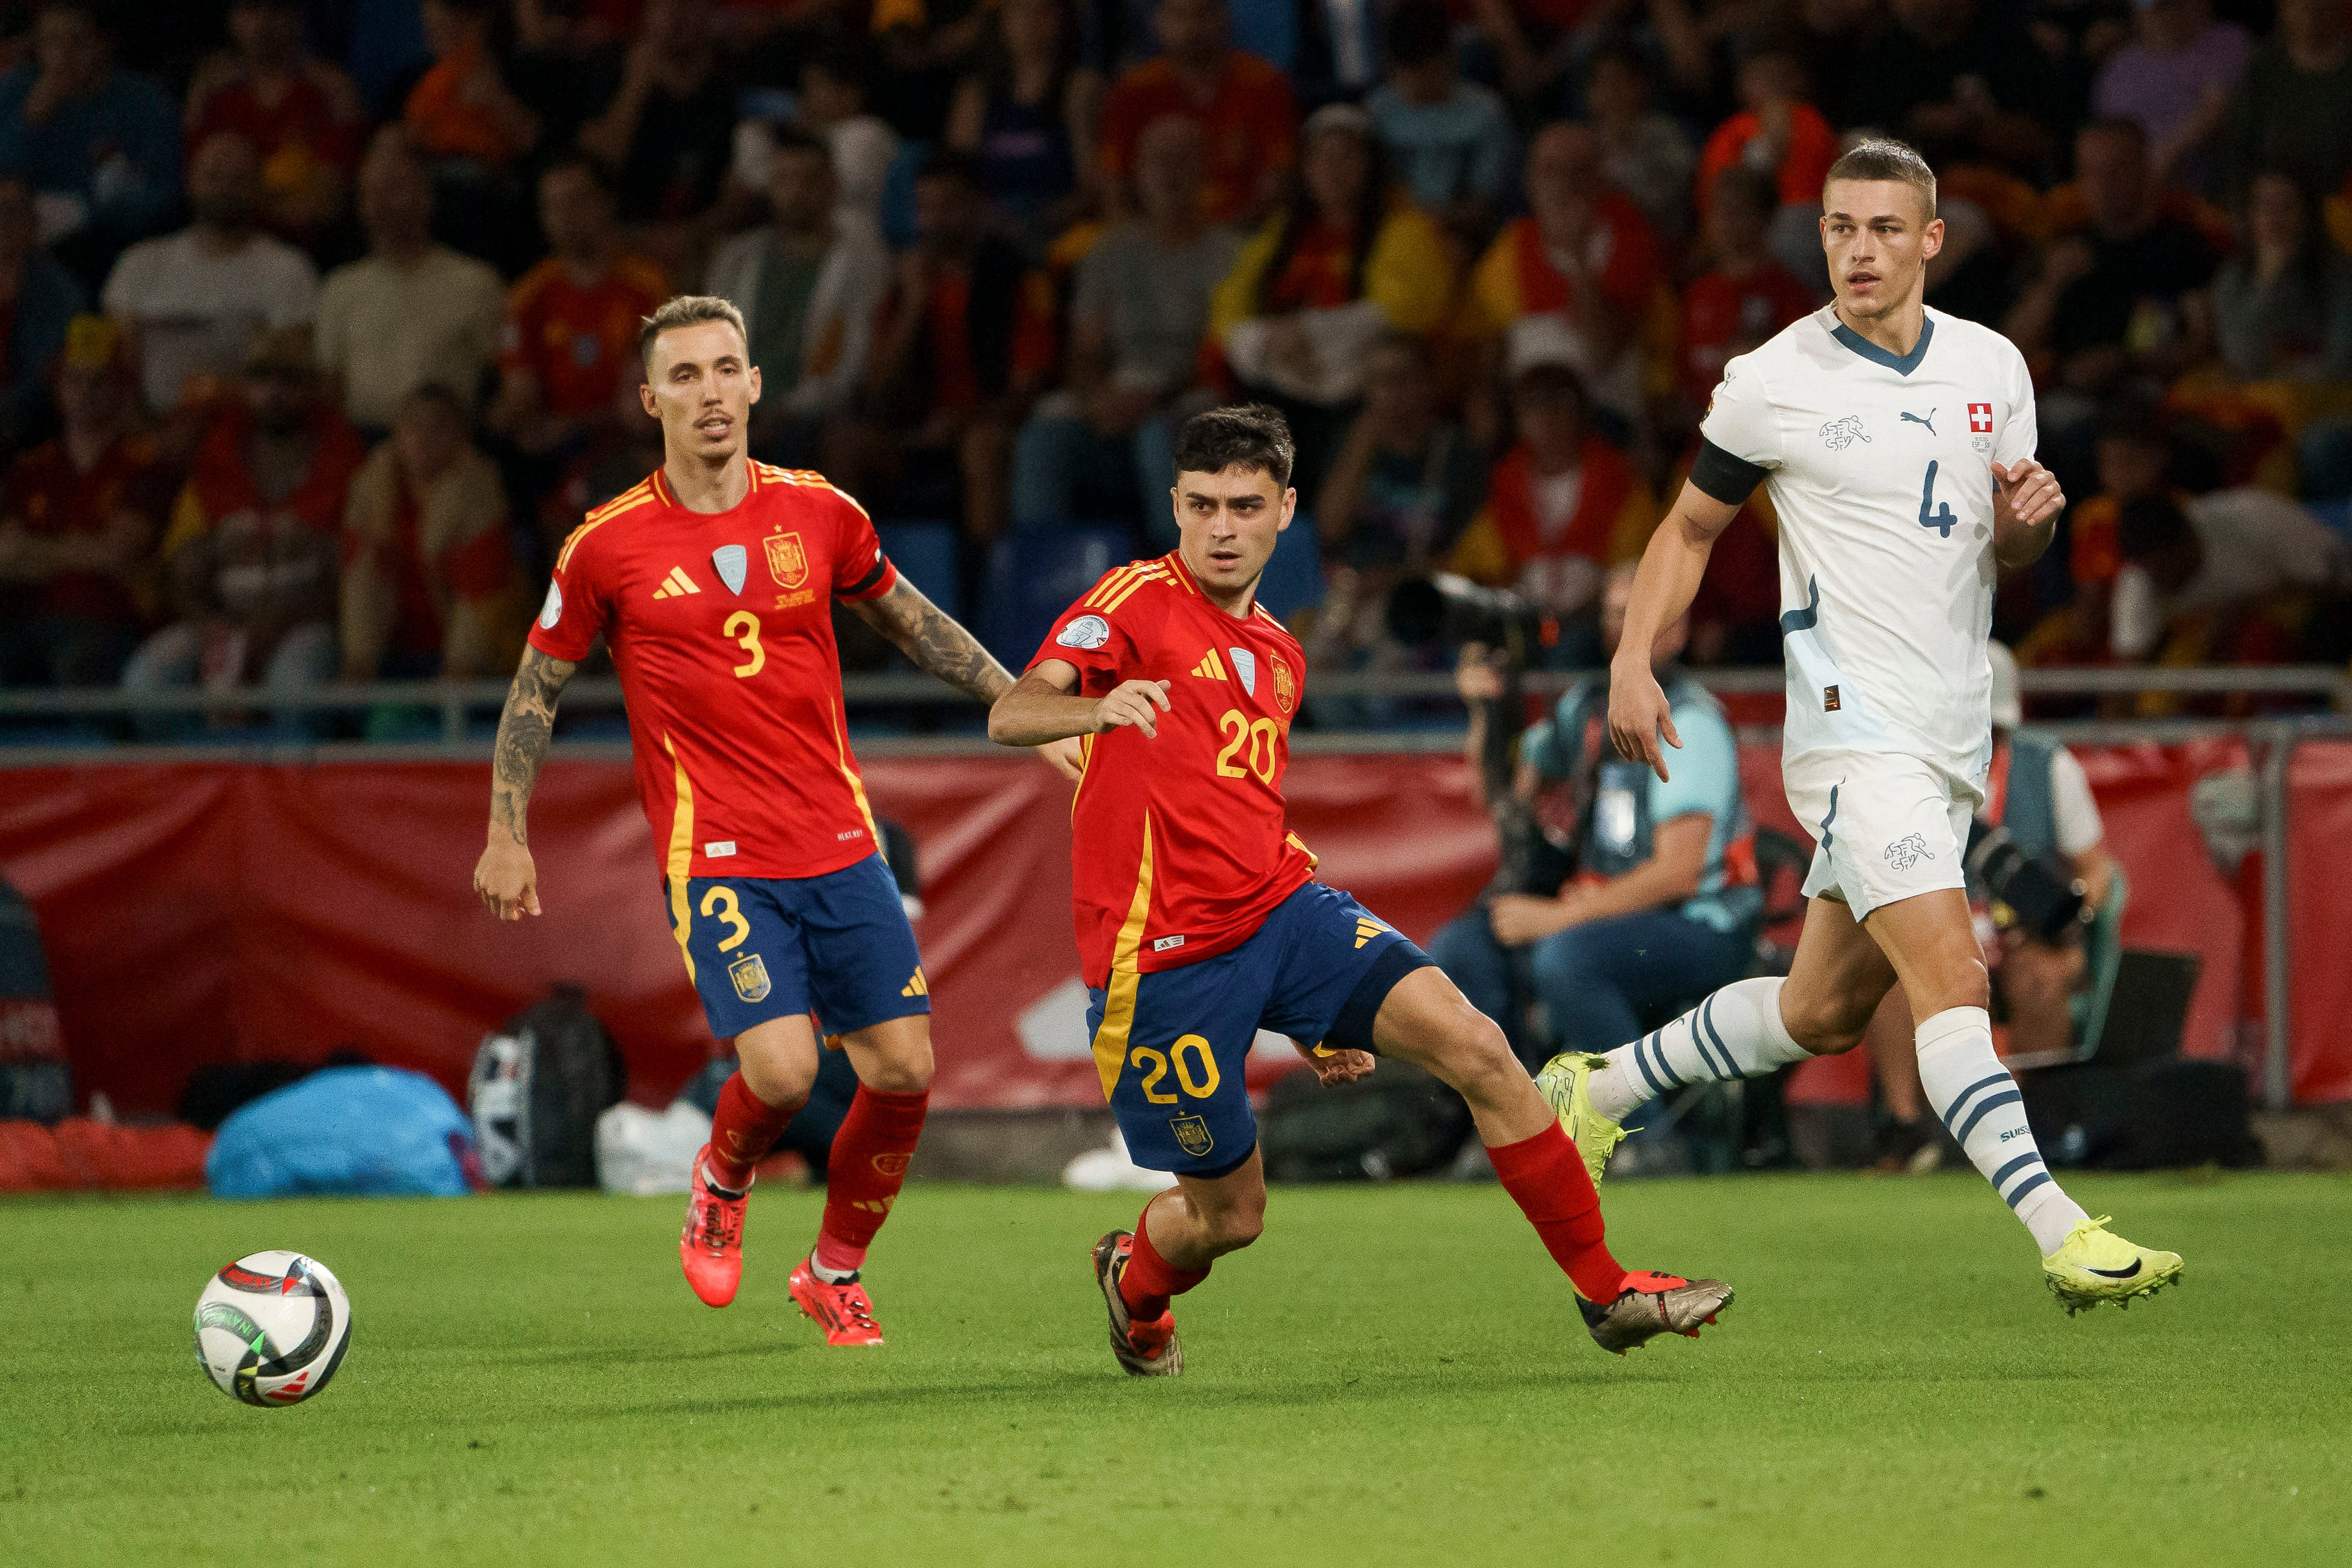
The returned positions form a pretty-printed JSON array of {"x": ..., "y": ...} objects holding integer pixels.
[
  {"x": 1179, "y": 848},
  {"x": 721, "y": 630}
]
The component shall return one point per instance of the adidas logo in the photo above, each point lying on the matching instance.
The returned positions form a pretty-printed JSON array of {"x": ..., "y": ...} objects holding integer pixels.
[
  {"x": 918, "y": 987},
  {"x": 1211, "y": 668},
  {"x": 675, "y": 584},
  {"x": 1366, "y": 929}
]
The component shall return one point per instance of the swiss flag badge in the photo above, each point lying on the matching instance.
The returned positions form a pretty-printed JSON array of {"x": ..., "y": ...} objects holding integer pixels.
[{"x": 1981, "y": 419}]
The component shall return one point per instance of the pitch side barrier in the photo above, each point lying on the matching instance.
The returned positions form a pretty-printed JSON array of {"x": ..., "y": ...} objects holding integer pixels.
[{"x": 460, "y": 715}]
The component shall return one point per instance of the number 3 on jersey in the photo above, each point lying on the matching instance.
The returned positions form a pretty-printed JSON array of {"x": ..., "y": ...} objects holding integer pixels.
[
  {"x": 744, "y": 627},
  {"x": 1940, "y": 516}
]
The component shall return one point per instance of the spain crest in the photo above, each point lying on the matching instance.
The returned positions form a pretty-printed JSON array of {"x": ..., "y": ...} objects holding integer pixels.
[
  {"x": 1191, "y": 1134},
  {"x": 787, "y": 561},
  {"x": 1286, "y": 691},
  {"x": 751, "y": 978}
]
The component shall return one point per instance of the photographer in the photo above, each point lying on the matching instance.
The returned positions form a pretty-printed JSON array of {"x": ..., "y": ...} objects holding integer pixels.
[
  {"x": 1647, "y": 900},
  {"x": 2037, "y": 792}
]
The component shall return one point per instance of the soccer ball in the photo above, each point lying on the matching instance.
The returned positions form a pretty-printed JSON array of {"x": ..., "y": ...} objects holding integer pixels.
[{"x": 271, "y": 1328}]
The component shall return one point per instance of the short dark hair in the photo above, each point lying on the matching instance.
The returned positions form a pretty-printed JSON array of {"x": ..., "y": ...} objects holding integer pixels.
[
  {"x": 1884, "y": 158},
  {"x": 687, "y": 310},
  {"x": 1417, "y": 31},
  {"x": 1756, "y": 187},
  {"x": 1249, "y": 435}
]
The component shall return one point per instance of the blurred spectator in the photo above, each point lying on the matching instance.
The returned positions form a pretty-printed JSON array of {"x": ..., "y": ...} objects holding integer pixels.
[
  {"x": 1776, "y": 132},
  {"x": 79, "y": 514},
  {"x": 1644, "y": 153},
  {"x": 1448, "y": 141},
  {"x": 2283, "y": 303},
  {"x": 249, "y": 558},
  {"x": 1405, "y": 484},
  {"x": 1138, "y": 316},
  {"x": 2121, "y": 295},
  {"x": 1536, "y": 39},
  {"x": 1562, "y": 507},
  {"x": 2293, "y": 108},
  {"x": 195, "y": 300},
  {"x": 99, "y": 146},
  {"x": 302, "y": 114},
  {"x": 1247, "y": 117},
  {"x": 832, "y": 104},
  {"x": 808, "y": 289},
  {"x": 1573, "y": 280},
  {"x": 462, "y": 108},
  {"x": 37, "y": 297},
  {"x": 967, "y": 341},
  {"x": 1744, "y": 296},
  {"x": 1027, "y": 116},
  {"x": 2134, "y": 458},
  {"x": 429, "y": 583},
  {"x": 1665, "y": 873},
  {"x": 2075, "y": 38},
  {"x": 410, "y": 311},
  {"x": 568, "y": 367},
  {"x": 1957, "y": 76},
  {"x": 2216, "y": 580},
  {"x": 668, "y": 123},
  {"x": 2174, "y": 77},
  {"x": 1339, "y": 264}
]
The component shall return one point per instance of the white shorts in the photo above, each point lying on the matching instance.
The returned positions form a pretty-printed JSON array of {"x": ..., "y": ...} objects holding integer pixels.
[{"x": 1886, "y": 827}]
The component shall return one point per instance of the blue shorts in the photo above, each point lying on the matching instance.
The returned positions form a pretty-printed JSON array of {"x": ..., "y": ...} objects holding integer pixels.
[
  {"x": 1317, "y": 971},
  {"x": 769, "y": 947}
]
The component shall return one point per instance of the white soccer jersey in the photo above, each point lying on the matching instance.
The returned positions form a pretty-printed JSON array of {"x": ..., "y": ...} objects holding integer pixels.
[{"x": 1880, "y": 469}]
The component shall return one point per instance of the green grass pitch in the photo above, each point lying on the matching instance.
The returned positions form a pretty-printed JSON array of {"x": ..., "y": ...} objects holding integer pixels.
[{"x": 1392, "y": 1376}]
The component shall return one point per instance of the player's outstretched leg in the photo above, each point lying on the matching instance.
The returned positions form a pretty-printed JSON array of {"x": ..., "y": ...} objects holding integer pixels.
[
  {"x": 868, "y": 1166},
  {"x": 1424, "y": 1021},
  {"x": 1177, "y": 1236},
  {"x": 710, "y": 1248},
  {"x": 1734, "y": 1033}
]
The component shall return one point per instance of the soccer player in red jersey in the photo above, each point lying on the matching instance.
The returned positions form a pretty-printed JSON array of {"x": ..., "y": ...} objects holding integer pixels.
[
  {"x": 1200, "y": 920},
  {"x": 713, "y": 582}
]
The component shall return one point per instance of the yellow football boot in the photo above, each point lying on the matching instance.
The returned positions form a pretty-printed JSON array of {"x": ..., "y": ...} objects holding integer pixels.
[
  {"x": 2096, "y": 1265},
  {"x": 1563, "y": 1082}
]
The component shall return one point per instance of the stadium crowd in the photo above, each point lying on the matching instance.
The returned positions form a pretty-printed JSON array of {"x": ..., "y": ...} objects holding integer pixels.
[{"x": 320, "y": 318}]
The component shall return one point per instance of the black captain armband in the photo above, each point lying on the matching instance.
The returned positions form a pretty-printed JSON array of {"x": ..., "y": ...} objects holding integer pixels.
[
  {"x": 866, "y": 584},
  {"x": 1730, "y": 480}
]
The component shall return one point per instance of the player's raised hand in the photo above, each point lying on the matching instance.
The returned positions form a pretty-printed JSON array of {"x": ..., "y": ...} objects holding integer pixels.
[
  {"x": 1333, "y": 1068},
  {"x": 1139, "y": 703},
  {"x": 2026, "y": 492},
  {"x": 506, "y": 879},
  {"x": 1638, "y": 714}
]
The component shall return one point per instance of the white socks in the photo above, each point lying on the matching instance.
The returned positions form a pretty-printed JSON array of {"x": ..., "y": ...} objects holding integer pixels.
[
  {"x": 1979, "y": 1101},
  {"x": 1734, "y": 1033}
]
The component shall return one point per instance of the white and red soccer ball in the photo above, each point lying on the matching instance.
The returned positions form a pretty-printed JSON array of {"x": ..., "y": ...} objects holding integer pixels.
[{"x": 272, "y": 1328}]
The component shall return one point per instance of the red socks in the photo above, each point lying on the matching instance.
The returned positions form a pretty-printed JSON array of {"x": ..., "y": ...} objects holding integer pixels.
[
  {"x": 1148, "y": 1280},
  {"x": 745, "y": 1128},
  {"x": 1546, "y": 1178},
  {"x": 870, "y": 1155}
]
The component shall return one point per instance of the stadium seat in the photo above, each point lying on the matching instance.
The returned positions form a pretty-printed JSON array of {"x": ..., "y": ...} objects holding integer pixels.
[
  {"x": 1293, "y": 578},
  {"x": 1034, "y": 577},
  {"x": 926, "y": 553}
]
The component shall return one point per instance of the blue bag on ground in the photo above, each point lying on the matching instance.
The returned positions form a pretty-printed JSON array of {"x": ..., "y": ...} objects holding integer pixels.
[{"x": 370, "y": 1131}]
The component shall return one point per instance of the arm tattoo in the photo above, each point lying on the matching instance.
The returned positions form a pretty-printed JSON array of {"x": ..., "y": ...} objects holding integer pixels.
[
  {"x": 525, "y": 727},
  {"x": 935, "y": 642}
]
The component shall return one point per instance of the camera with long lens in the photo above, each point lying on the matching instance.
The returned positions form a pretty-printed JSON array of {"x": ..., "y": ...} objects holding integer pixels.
[
  {"x": 1449, "y": 609},
  {"x": 2030, "y": 892}
]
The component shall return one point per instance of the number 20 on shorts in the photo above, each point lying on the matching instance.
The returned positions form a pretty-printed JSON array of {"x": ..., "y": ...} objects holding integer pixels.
[{"x": 1195, "y": 1065}]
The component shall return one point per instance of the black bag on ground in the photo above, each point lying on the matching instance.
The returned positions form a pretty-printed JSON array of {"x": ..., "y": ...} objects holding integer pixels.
[
  {"x": 1398, "y": 1122},
  {"x": 537, "y": 1088}
]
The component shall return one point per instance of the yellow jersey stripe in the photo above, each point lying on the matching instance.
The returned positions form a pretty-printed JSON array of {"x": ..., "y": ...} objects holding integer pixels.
[
  {"x": 681, "y": 858},
  {"x": 643, "y": 490},
  {"x": 1313, "y": 860},
  {"x": 1181, "y": 578},
  {"x": 597, "y": 519},
  {"x": 1107, "y": 586},
  {"x": 1126, "y": 956},
  {"x": 1131, "y": 587},
  {"x": 849, "y": 771}
]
